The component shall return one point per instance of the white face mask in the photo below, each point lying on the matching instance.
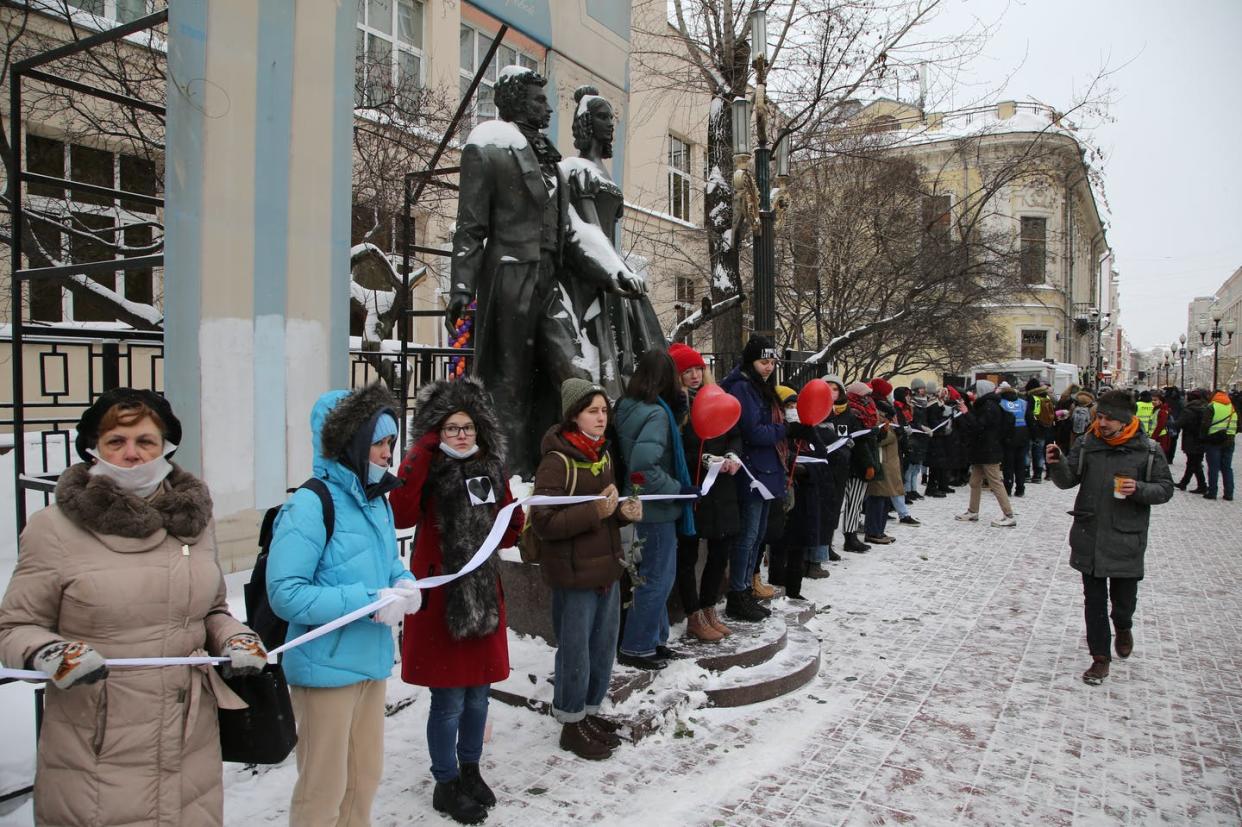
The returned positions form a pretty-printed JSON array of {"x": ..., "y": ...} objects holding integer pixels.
[
  {"x": 375, "y": 473},
  {"x": 455, "y": 454},
  {"x": 140, "y": 480},
  {"x": 791, "y": 414}
]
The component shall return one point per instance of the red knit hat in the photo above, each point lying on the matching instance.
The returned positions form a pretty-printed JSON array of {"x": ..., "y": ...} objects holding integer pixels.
[
  {"x": 685, "y": 357},
  {"x": 881, "y": 387}
]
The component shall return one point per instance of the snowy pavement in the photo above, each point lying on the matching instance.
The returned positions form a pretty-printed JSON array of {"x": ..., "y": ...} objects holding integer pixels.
[{"x": 949, "y": 693}]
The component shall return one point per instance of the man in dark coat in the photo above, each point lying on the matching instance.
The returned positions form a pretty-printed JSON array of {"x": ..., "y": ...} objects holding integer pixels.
[
  {"x": 1121, "y": 474},
  {"x": 513, "y": 235},
  {"x": 1189, "y": 423},
  {"x": 988, "y": 429}
]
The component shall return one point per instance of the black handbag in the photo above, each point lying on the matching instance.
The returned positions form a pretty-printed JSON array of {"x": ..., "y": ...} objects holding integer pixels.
[{"x": 264, "y": 732}]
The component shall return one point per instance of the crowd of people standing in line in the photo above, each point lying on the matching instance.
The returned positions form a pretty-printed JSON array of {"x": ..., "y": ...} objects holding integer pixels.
[{"x": 124, "y": 563}]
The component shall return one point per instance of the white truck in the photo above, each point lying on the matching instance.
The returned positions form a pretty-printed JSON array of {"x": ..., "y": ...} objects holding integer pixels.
[{"x": 1060, "y": 375}]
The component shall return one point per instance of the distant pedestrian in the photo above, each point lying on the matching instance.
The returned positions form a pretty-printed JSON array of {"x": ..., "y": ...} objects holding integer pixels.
[
  {"x": 1219, "y": 427},
  {"x": 988, "y": 429},
  {"x": 1121, "y": 474},
  {"x": 1190, "y": 424},
  {"x": 1044, "y": 422},
  {"x": 1013, "y": 468}
]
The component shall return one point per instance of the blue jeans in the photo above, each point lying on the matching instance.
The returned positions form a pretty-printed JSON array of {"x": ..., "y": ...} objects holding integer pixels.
[
  {"x": 911, "y": 477},
  {"x": 754, "y": 514},
  {"x": 1037, "y": 456},
  {"x": 455, "y": 728},
  {"x": 585, "y": 623},
  {"x": 646, "y": 623},
  {"x": 817, "y": 554},
  {"x": 899, "y": 503},
  {"x": 1220, "y": 463},
  {"x": 876, "y": 511}
]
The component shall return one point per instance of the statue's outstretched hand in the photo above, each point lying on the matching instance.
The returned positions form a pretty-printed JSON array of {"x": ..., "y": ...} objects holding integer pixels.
[{"x": 630, "y": 284}]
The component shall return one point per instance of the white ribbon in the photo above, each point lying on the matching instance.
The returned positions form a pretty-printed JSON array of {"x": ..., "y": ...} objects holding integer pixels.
[
  {"x": 713, "y": 471},
  {"x": 490, "y": 543},
  {"x": 805, "y": 460},
  {"x": 952, "y": 416}
]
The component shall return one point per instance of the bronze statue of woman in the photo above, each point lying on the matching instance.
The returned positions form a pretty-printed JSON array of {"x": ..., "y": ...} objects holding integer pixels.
[{"x": 620, "y": 326}]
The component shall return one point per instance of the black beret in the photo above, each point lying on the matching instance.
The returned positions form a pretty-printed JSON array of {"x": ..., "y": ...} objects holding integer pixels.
[{"x": 88, "y": 425}]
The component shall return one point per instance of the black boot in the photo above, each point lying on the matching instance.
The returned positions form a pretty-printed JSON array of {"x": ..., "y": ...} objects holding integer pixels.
[
  {"x": 793, "y": 574},
  {"x": 451, "y": 798},
  {"x": 754, "y": 601},
  {"x": 739, "y": 607},
  {"x": 833, "y": 557},
  {"x": 813, "y": 571},
  {"x": 853, "y": 544},
  {"x": 474, "y": 785}
]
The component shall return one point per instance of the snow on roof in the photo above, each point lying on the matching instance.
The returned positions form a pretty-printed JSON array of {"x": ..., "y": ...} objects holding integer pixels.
[{"x": 497, "y": 133}]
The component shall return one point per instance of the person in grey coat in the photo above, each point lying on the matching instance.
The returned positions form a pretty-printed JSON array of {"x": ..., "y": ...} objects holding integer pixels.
[{"x": 1121, "y": 474}]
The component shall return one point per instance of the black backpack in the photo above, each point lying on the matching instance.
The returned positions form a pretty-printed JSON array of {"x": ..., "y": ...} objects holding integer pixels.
[{"x": 270, "y": 627}]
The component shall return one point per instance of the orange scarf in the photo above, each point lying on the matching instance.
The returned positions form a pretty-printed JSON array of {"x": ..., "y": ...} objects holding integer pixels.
[{"x": 1123, "y": 436}]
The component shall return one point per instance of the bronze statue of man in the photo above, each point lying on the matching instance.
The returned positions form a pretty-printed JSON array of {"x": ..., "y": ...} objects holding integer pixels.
[{"x": 513, "y": 236}]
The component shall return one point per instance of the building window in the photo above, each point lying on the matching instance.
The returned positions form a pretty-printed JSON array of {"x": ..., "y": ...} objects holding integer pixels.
[
  {"x": 1034, "y": 344},
  {"x": 685, "y": 290},
  {"x": 473, "y": 45},
  {"x": 122, "y": 11},
  {"x": 81, "y": 227},
  {"x": 1034, "y": 246},
  {"x": 937, "y": 215},
  {"x": 389, "y": 52},
  {"x": 678, "y": 178}
]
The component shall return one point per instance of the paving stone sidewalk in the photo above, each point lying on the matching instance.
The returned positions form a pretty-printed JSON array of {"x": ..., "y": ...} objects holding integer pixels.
[{"x": 949, "y": 694}]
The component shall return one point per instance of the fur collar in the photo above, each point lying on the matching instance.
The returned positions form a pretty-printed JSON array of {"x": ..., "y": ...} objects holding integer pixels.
[
  {"x": 97, "y": 504},
  {"x": 355, "y": 413},
  {"x": 471, "y": 603}
]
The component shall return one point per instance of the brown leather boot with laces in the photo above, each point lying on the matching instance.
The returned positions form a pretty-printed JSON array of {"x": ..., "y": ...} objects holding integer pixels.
[{"x": 1098, "y": 671}]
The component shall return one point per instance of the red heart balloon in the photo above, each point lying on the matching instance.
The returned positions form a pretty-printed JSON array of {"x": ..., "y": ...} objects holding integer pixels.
[
  {"x": 814, "y": 401},
  {"x": 714, "y": 412}
]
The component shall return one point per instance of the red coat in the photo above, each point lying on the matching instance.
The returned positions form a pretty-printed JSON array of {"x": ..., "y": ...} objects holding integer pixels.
[
  {"x": 1160, "y": 433},
  {"x": 429, "y": 656}
]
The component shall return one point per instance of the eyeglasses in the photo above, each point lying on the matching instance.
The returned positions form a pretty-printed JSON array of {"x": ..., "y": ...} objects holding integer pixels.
[{"x": 458, "y": 430}]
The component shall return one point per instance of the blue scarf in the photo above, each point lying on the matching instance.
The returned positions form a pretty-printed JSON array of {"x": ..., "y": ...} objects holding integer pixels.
[{"x": 685, "y": 525}]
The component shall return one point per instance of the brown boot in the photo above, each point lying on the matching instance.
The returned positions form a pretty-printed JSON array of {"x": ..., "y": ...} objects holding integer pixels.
[
  {"x": 711, "y": 617},
  {"x": 1124, "y": 643},
  {"x": 1098, "y": 671},
  {"x": 697, "y": 627},
  {"x": 576, "y": 738},
  {"x": 762, "y": 590}
]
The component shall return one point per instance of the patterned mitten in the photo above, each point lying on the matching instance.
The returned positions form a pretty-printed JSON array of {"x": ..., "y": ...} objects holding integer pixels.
[{"x": 70, "y": 663}]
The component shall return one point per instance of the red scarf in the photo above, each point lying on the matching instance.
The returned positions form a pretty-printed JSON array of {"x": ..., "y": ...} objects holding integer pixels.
[
  {"x": 863, "y": 408},
  {"x": 590, "y": 448}
]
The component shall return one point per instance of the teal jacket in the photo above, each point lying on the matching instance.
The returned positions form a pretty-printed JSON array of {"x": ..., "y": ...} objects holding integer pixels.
[
  {"x": 309, "y": 584},
  {"x": 646, "y": 442}
]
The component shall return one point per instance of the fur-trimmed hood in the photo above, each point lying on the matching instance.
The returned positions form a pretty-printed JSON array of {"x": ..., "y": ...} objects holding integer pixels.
[
  {"x": 342, "y": 423},
  {"x": 97, "y": 504},
  {"x": 440, "y": 400}
]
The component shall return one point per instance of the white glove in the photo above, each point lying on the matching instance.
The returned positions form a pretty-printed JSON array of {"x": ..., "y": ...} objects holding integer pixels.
[
  {"x": 409, "y": 602},
  {"x": 708, "y": 459}
]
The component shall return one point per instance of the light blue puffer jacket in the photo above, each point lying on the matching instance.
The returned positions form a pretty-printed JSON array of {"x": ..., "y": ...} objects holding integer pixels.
[{"x": 310, "y": 585}]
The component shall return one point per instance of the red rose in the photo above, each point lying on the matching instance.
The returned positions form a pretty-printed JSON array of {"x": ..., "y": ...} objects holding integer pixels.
[{"x": 638, "y": 478}]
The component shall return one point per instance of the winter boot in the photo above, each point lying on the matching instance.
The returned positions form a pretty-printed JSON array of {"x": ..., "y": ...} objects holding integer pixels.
[
  {"x": 833, "y": 557},
  {"x": 602, "y": 730},
  {"x": 474, "y": 786},
  {"x": 711, "y": 617},
  {"x": 1124, "y": 643},
  {"x": 853, "y": 544},
  {"x": 1098, "y": 671},
  {"x": 761, "y": 590},
  {"x": 450, "y": 798},
  {"x": 738, "y": 606},
  {"x": 698, "y": 628},
  {"x": 754, "y": 601},
  {"x": 815, "y": 571},
  {"x": 576, "y": 738}
]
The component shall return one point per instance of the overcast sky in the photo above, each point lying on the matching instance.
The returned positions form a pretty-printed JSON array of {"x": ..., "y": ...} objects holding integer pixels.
[{"x": 1173, "y": 169}]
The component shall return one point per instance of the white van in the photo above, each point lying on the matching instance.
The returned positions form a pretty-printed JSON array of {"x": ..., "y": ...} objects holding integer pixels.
[{"x": 1060, "y": 375}]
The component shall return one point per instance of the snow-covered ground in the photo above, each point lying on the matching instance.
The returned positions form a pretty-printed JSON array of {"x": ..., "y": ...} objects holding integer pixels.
[{"x": 949, "y": 693}]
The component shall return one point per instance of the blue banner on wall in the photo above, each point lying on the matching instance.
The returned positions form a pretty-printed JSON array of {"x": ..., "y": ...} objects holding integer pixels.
[{"x": 532, "y": 18}]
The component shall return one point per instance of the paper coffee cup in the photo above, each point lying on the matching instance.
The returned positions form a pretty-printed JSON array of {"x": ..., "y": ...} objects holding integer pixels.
[{"x": 1118, "y": 480}]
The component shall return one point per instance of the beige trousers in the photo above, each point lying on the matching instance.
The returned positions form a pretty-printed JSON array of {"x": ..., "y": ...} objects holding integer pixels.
[
  {"x": 340, "y": 754},
  {"x": 993, "y": 475}
]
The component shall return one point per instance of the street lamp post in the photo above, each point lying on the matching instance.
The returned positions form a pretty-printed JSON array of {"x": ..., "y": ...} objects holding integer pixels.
[
  {"x": 1214, "y": 333},
  {"x": 1181, "y": 354},
  {"x": 755, "y": 187}
]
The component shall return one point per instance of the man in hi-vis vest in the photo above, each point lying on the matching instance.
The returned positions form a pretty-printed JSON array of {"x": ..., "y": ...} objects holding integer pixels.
[{"x": 1220, "y": 426}]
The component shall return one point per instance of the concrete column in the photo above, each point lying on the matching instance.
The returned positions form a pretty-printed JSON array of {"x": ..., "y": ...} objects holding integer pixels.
[{"x": 259, "y": 136}]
